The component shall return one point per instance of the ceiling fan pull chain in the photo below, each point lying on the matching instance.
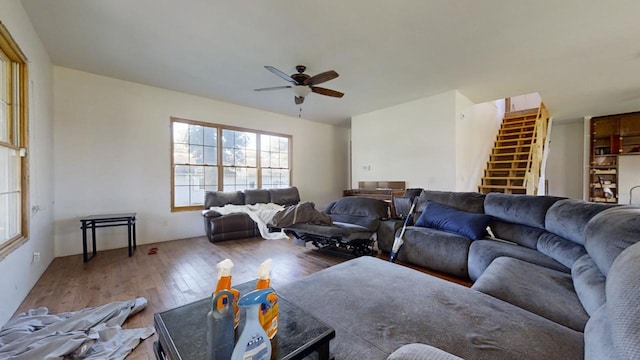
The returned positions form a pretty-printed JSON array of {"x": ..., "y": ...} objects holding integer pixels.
[{"x": 300, "y": 113}]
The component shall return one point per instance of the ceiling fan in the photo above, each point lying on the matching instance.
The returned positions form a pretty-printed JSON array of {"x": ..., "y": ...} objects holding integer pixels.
[{"x": 303, "y": 84}]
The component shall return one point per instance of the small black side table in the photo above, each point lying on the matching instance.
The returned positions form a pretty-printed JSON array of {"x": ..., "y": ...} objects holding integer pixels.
[{"x": 97, "y": 221}]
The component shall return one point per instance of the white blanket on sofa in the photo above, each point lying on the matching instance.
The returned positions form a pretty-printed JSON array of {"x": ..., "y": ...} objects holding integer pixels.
[{"x": 260, "y": 213}]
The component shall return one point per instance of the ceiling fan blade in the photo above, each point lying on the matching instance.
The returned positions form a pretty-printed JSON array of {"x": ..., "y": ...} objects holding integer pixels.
[
  {"x": 281, "y": 74},
  {"x": 327, "y": 92},
  {"x": 322, "y": 77},
  {"x": 298, "y": 99},
  {"x": 274, "y": 88}
]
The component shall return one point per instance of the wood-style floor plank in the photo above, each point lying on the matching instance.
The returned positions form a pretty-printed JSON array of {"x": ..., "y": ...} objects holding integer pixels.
[{"x": 181, "y": 272}]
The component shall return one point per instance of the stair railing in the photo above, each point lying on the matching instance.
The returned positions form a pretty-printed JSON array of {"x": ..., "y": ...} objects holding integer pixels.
[{"x": 534, "y": 159}]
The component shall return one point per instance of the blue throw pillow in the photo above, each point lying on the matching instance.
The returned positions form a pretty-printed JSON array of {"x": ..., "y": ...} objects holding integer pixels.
[{"x": 445, "y": 218}]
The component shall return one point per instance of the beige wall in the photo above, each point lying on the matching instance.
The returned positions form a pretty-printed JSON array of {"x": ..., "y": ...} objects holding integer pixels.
[
  {"x": 112, "y": 155},
  {"x": 412, "y": 142},
  {"x": 566, "y": 160},
  {"x": 440, "y": 143},
  {"x": 19, "y": 273},
  {"x": 476, "y": 128}
]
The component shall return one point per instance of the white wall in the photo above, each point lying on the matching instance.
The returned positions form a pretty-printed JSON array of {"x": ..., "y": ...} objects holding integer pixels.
[
  {"x": 112, "y": 155},
  {"x": 412, "y": 142},
  {"x": 440, "y": 143},
  {"x": 566, "y": 160},
  {"x": 628, "y": 177},
  {"x": 526, "y": 101},
  {"x": 477, "y": 126},
  {"x": 18, "y": 273}
]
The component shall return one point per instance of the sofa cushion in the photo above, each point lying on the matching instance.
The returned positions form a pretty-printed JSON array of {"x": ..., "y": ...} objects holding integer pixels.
[
  {"x": 519, "y": 209},
  {"x": 613, "y": 331},
  {"x": 441, "y": 217},
  {"x": 220, "y": 198},
  {"x": 421, "y": 352},
  {"x": 435, "y": 250},
  {"x": 256, "y": 196},
  {"x": 548, "y": 293},
  {"x": 589, "y": 283},
  {"x": 597, "y": 337},
  {"x": 465, "y": 201},
  {"x": 384, "y": 306},
  {"x": 286, "y": 196},
  {"x": 623, "y": 292},
  {"x": 520, "y": 234},
  {"x": 360, "y": 206},
  {"x": 610, "y": 232},
  {"x": 567, "y": 218},
  {"x": 483, "y": 252},
  {"x": 563, "y": 251}
]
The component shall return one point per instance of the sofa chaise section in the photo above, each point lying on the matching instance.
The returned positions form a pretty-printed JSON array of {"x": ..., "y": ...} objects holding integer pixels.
[{"x": 376, "y": 307}]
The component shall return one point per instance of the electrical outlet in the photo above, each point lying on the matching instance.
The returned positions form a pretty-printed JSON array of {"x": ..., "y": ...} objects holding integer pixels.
[{"x": 36, "y": 257}]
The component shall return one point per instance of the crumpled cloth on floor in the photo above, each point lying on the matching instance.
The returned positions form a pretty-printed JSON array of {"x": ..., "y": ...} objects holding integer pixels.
[{"x": 92, "y": 333}]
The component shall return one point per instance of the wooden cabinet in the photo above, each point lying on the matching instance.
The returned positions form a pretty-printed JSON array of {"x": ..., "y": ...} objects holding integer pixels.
[{"x": 611, "y": 137}]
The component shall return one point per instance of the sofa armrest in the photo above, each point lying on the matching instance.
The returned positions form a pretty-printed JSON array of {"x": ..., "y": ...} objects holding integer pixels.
[
  {"x": 210, "y": 214},
  {"x": 421, "y": 352}
]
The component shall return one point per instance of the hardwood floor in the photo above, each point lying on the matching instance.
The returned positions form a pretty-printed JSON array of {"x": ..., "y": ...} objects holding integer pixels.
[{"x": 182, "y": 271}]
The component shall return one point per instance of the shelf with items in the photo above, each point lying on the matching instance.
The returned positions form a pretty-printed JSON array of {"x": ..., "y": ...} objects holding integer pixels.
[{"x": 612, "y": 137}]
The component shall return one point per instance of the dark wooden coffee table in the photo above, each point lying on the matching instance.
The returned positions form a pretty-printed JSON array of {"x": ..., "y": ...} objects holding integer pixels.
[{"x": 182, "y": 331}]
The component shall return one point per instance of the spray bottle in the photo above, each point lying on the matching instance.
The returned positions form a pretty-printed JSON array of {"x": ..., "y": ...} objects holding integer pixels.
[
  {"x": 253, "y": 343},
  {"x": 268, "y": 315},
  {"x": 224, "y": 283},
  {"x": 220, "y": 334}
]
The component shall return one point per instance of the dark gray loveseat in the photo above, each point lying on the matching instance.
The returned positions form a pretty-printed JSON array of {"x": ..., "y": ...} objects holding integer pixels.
[
  {"x": 239, "y": 225},
  {"x": 568, "y": 290}
]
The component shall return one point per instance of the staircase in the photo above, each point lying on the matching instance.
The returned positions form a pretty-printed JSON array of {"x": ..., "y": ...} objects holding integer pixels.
[{"x": 514, "y": 163}]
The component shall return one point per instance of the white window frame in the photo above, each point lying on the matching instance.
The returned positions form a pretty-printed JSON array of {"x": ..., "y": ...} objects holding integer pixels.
[{"x": 15, "y": 141}]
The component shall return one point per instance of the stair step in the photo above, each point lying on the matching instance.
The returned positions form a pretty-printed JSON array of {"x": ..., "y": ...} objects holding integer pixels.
[
  {"x": 520, "y": 120},
  {"x": 514, "y": 155},
  {"x": 502, "y": 178},
  {"x": 503, "y": 142},
  {"x": 506, "y": 161},
  {"x": 511, "y": 187},
  {"x": 511, "y": 146},
  {"x": 517, "y": 134},
  {"x": 516, "y": 129}
]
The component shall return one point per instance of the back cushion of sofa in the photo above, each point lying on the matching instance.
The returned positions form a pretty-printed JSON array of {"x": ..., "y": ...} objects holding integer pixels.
[
  {"x": 465, "y": 201},
  {"x": 286, "y": 196},
  {"x": 219, "y": 198},
  {"x": 560, "y": 249},
  {"x": 610, "y": 232},
  {"x": 568, "y": 218},
  {"x": 519, "y": 209},
  {"x": 589, "y": 283},
  {"x": 520, "y": 234},
  {"x": 259, "y": 196},
  {"x": 360, "y": 206}
]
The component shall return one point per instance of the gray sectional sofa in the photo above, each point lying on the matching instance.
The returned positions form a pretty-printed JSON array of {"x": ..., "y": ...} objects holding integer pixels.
[{"x": 560, "y": 281}]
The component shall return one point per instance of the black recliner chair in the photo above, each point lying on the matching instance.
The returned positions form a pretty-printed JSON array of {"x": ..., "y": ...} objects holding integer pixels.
[{"x": 355, "y": 222}]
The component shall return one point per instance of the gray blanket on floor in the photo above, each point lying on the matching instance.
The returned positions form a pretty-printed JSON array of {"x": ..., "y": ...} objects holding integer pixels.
[{"x": 91, "y": 333}]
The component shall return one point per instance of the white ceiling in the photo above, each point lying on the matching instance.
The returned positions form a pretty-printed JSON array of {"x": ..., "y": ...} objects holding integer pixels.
[{"x": 582, "y": 56}]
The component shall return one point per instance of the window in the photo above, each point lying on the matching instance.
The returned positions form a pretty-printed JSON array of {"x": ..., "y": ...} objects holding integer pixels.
[
  {"x": 13, "y": 219},
  {"x": 211, "y": 157}
]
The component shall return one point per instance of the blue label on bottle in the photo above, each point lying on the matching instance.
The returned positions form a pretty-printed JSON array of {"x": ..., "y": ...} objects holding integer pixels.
[{"x": 256, "y": 349}]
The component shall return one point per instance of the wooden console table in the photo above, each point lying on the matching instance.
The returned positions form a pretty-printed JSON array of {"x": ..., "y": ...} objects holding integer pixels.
[{"x": 97, "y": 221}]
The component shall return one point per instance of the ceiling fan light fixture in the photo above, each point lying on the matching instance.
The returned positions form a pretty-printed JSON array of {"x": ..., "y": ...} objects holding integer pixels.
[{"x": 301, "y": 90}]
